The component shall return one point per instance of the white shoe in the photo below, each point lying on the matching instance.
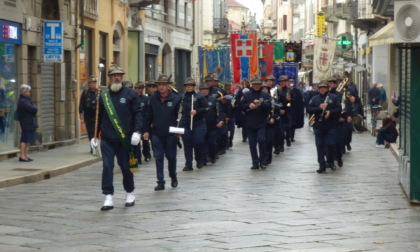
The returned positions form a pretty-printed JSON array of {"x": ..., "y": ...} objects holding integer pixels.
[
  {"x": 129, "y": 200},
  {"x": 380, "y": 146},
  {"x": 108, "y": 204}
]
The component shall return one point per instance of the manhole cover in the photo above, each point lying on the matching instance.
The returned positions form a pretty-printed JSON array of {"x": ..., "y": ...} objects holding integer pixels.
[{"x": 25, "y": 169}]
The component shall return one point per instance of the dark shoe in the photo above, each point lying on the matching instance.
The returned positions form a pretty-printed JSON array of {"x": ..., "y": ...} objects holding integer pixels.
[
  {"x": 255, "y": 167},
  {"x": 332, "y": 166},
  {"x": 24, "y": 160},
  {"x": 217, "y": 156},
  {"x": 30, "y": 159},
  {"x": 160, "y": 187},
  {"x": 243, "y": 140},
  {"x": 230, "y": 144},
  {"x": 293, "y": 140},
  {"x": 263, "y": 166},
  {"x": 106, "y": 208},
  {"x": 321, "y": 170},
  {"x": 276, "y": 151},
  {"x": 386, "y": 147},
  {"x": 348, "y": 147},
  {"x": 213, "y": 160},
  {"x": 204, "y": 163},
  {"x": 199, "y": 165},
  {"x": 174, "y": 182},
  {"x": 339, "y": 162},
  {"x": 222, "y": 151},
  {"x": 147, "y": 158},
  {"x": 288, "y": 143},
  {"x": 281, "y": 149},
  {"x": 187, "y": 168}
]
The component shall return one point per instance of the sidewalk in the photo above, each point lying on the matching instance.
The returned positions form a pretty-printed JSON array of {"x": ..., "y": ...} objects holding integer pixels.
[{"x": 46, "y": 164}]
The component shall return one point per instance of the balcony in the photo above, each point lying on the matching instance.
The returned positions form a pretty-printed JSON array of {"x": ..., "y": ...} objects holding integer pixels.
[
  {"x": 142, "y": 3},
  {"x": 383, "y": 8},
  {"x": 343, "y": 11},
  {"x": 365, "y": 19},
  {"x": 221, "y": 25}
]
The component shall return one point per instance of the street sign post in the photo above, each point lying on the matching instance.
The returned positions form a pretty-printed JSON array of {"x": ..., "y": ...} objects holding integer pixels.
[{"x": 53, "y": 42}]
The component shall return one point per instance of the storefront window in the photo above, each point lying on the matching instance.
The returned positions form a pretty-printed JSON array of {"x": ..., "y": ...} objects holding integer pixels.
[
  {"x": 8, "y": 96},
  {"x": 10, "y": 36}
]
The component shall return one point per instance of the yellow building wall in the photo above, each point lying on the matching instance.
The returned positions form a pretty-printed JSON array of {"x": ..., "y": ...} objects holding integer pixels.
[{"x": 112, "y": 15}]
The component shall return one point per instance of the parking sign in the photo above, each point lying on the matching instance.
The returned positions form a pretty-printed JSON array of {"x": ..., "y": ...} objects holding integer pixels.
[{"x": 53, "y": 42}]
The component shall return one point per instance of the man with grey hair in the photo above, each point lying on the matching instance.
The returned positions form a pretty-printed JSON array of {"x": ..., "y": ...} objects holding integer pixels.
[{"x": 120, "y": 119}]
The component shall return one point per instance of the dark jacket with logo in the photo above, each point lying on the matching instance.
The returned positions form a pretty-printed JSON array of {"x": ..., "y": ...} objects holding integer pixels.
[
  {"x": 161, "y": 115},
  {"x": 333, "y": 107},
  {"x": 26, "y": 113},
  {"x": 126, "y": 104},
  {"x": 256, "y": 118},
  {"x": 200, "y": 105}
]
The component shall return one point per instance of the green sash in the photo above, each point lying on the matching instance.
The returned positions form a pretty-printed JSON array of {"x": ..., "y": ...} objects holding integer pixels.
[{"x": 119, "y": 128}]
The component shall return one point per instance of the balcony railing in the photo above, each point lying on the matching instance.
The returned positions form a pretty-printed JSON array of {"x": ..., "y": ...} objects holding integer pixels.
[
  {"x": 142, "y": 3},
  {"x": 220, "y": 25},
  {"x": 343, "y": 10}
]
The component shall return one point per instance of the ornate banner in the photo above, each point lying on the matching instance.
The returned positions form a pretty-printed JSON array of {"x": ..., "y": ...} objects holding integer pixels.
[{"x": 323, "y": 58}]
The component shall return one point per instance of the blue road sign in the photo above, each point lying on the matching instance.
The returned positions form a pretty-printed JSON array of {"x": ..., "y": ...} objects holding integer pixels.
[{"x": 53, "y": 42}]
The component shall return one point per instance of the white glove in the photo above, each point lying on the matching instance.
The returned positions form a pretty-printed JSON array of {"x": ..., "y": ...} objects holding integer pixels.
[
  {"x": 94, "y": 144},
  {"x": 135, "y": 138}
]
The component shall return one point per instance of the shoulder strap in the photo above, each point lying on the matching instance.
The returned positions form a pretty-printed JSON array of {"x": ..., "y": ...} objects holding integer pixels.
[{"x": 119, "y": 128}]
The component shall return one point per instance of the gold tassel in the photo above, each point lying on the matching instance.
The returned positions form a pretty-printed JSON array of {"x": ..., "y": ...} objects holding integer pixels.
[{"x": 133, "y": 162}]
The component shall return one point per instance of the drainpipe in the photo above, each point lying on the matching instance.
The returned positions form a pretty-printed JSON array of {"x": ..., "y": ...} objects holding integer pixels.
[{"x": 82, "y": 23}]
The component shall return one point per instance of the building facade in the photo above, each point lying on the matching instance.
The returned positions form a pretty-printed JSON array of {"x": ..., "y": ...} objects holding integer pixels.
[{"x": 22, "y": 61}]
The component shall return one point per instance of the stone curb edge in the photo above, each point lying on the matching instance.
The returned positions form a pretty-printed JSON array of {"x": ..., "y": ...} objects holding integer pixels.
[{"x": 46, "y": 174}]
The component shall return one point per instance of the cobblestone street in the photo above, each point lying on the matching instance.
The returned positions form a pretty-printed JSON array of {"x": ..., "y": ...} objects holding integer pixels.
[{"x": 223, "y": 207}]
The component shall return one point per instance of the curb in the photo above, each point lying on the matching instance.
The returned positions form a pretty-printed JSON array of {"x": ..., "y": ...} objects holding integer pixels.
[{"x": 46, "y": 174}]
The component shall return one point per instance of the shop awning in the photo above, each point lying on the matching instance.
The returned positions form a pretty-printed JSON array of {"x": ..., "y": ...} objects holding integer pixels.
[{"x": 384, "y": 36}]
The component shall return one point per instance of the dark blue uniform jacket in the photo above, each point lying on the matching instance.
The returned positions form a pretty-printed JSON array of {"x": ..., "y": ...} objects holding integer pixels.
[
  {"x": 333, "y": 107},
  {"x": 256, "y": 118},
  {"x": 200, "y": 105},
  {"x": 126, "y": 104},
  {"x": 162, "y": 115}
]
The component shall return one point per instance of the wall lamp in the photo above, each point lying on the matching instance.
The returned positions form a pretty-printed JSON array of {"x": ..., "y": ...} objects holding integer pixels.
[{"x": 158, "y": 38}]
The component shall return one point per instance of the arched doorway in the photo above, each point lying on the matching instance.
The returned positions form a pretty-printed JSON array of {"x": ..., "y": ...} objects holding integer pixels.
[
  {"x": 117, "y": 42},
  {"x": 167, "y": 59}
]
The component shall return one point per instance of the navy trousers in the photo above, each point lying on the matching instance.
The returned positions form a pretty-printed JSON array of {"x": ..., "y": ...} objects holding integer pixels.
[
  {"x": 194, "y": 140},
  {"x": 164, "y": 146},
  {"x": 210, "y": 146},
  {"x": 270, "y": 134},
  {"x": 109, "y": 151},
  {"x": 257, "y": 136},
  {"x": 325, "y": 143}
]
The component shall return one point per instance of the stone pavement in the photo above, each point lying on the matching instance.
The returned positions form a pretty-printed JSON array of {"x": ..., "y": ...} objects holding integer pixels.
[
  {"x": 224, "y": 207},
  {"x": 47, "y": 164}
]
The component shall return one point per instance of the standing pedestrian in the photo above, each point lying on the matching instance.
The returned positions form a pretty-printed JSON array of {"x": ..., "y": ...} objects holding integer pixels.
[
  {"x": 26, "y": 112},
  {"x": 87, "y": 107},
  {"x": 162, "y": 113},
  {"x": 120, "y": 119}
]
